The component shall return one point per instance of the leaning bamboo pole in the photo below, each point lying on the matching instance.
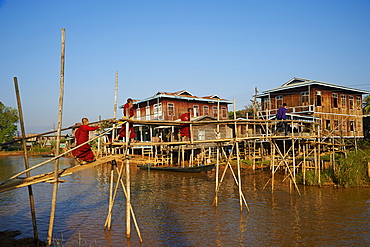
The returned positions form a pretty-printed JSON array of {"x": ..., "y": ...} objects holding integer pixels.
[
  {"x": 56, "y": 166},
  {"x": 26, "y": 163},
  {"x": 239, "y": 177}
]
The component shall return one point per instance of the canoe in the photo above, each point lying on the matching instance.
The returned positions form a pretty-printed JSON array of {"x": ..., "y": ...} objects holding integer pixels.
[{"x": 201, "y": 168}]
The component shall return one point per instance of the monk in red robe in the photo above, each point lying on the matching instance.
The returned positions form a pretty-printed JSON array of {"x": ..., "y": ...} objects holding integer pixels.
[
  {"x": 84, "y": 153},
  {"x": 128, "y": 112},
  {"x": 185, "y": 127}
]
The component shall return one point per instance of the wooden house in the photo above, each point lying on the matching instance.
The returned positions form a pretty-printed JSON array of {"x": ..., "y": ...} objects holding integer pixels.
[
  {"x": 170, "y": 106},
  {"x": 336, "y": 110},
  {"x": 167, "y": 106}
]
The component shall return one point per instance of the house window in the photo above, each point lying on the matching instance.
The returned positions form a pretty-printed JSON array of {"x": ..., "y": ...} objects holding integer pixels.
[
  {"x": 147, "y": 112},
  {"x": 318, "y": 98},
  {"x": 344, "y": 101},
  {"x": 206, "y": 110},
  {"x": 224, "y": 112},
  {"x": 201, "y": 135},
  {"x": 157, "y": 108},
  {"x": 304, "y": 98},
  {"x": 196, "y": 110},
  {"x": 266, "y": 103},
  {"x": 335, "y": 100},
  {"x": 170, "y": 109},
  {"x": 351, "y": 125},
  {"x": 279, "y": 101},
  {"x": 138, "y": 113},
  {"x": 358, "y": 102},
  {"x": 327, "y": 124},
  {"x": 350, "y": 102},
  {"x": 215, "y": 111},
  {"x": 336, "y": 124}
]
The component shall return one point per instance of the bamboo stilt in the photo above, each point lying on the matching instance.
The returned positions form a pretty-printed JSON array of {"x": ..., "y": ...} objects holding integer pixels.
[
  {"x": 26, "y": 163},
  {"x": 217, "y": 171},
  {"x": 56, "y": 166},
  {"x": 128, "y": 200}
]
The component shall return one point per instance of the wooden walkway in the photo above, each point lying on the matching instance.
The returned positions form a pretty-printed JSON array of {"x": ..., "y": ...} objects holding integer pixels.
[{"x": 49, "y": 177}]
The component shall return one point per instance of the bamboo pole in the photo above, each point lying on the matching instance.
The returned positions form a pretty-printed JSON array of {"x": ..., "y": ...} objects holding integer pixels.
[
  {"x": 56, "y": 166},
  {"x": 115, "y": 98},
  {"x": 273, "y": 168},
  {"x": 115, "y": 106},
  {"x": 304, "y": 164},
  {"x": 319, "y": 165},
  {"x": 217, "y": 171},
  {"x": 26, "y": 163},
  {"x": 128, "y": 200},
  {"x": 111, "y": 200},
  {"x": 254, "y": 155},
  {"x": 132, "y": 211},
  {"x": 239, "y": 177}
]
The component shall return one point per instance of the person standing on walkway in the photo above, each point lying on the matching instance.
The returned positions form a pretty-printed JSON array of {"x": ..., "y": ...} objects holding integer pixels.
[
  {"x": 84, "y": 153},
  {"x": 128, "y": 113},
  {"x": 281, "y": 115},
  {"x": 185, "y": 127}
]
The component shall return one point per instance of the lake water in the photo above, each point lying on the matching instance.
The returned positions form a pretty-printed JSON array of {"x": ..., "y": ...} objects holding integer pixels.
[{"x": 175, "y": 209}]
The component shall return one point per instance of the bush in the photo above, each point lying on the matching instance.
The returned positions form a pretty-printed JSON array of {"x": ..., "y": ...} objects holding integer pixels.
[{"x": 352, "y": 170}]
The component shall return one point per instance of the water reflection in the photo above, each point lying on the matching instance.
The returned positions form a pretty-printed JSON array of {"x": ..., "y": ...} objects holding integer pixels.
[{"x": 175, "y": 209}]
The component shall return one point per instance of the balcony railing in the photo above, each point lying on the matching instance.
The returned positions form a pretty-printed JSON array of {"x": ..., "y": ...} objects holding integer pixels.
[{"x": 306, "y": 109}]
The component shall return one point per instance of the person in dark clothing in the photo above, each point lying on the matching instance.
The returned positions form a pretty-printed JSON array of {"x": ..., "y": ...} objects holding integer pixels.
[{"x": 281, "y": 115}]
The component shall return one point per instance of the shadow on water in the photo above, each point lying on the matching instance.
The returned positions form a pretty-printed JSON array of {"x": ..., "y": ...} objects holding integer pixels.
[{"x": 175, "y": 209}]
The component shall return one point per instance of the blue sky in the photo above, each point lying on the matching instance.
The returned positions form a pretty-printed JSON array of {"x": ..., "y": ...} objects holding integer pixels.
[{"x": 206, "y": 47}]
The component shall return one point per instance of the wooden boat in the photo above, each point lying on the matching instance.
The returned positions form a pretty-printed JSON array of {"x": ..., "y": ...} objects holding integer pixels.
[{"x": 201, "y": 168}]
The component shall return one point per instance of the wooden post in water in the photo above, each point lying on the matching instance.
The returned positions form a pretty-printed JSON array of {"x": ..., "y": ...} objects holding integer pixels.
[
  {"x": 109, "y": 217},
  {"x": 56, "y": 166},
  {"x": 273, "y": 166},
  {"x": 217, "y": 171},
  {"x": 26, "y": 163},
  {"x": 239, "y": 177},
  {"x": 304, "y": 164},
  {"x": 319, "y": 165},
  {"x": 128, "y": 199}
]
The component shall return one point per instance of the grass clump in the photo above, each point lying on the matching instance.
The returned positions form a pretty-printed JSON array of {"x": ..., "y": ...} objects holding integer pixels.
[{"x": 352, "y": 170}]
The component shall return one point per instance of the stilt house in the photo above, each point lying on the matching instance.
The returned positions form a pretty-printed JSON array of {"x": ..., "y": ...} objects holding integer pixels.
[
  {"x": 335, "y": 109},
  {"x": 170, "y": 106}
]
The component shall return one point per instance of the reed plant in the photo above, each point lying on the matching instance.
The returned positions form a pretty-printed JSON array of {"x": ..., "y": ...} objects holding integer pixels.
[{"x": 352, "y": 170}]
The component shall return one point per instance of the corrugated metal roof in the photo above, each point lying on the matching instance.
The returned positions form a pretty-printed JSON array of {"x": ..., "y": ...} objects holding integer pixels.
[
  {"x": 300, "y": 82},
  {"x": 185, "y": 95}
]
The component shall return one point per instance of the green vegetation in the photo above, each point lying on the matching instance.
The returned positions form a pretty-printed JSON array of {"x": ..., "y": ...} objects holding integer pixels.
[
  {"x": 326, "y": 177},
  {"x": 8, "y": 119},
  {"x": 350, "y": 170}
]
